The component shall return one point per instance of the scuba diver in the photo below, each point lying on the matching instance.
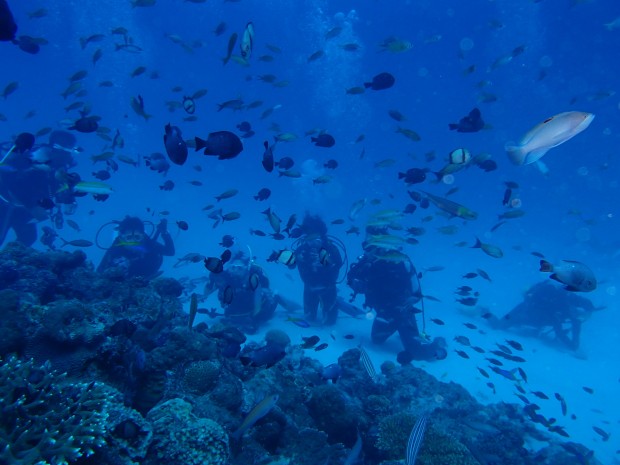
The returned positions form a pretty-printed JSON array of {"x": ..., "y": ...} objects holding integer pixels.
[
  {"x": 391, "y": 287},
  {"x": 35, "y": 184},
  {"x": 548, "y": 310},
  {"x": 243, "y": 292},
  {"x": 319, "y": 261},
  {"x": 137, "y": 253}
]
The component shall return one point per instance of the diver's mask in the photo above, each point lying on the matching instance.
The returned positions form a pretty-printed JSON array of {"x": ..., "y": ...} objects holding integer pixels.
[{"x": 131, "y": 237}]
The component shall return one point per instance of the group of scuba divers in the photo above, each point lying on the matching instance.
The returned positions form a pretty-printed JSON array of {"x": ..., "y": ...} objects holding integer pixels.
[
  {"x": 387, "y": 279},
  {"x": 36, "y": 185},
  {"x": 391, "y": 288}
]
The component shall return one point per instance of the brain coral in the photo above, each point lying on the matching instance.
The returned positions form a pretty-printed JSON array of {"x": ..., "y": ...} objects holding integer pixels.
[
  {"x": 200, "y": 377},
  {"x": 181, "y": 437}
]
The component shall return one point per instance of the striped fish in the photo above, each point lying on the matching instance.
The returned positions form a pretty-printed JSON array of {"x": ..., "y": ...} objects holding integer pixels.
[
  {"x": 368, "y": 365},
  {"x": 415, "y": 439}
]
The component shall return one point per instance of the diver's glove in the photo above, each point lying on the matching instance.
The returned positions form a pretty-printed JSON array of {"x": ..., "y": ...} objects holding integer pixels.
[
  {"x": 162, "y": 227},
  {"x": 432, "y": 350}
]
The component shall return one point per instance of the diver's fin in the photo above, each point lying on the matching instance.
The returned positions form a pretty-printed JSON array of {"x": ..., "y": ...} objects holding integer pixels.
[{"x": 8, "y": 153}]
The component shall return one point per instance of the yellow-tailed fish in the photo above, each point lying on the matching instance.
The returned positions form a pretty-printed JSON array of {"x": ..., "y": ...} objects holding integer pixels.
[
  {"x": 489, "y": 249},
  {"x": 93, "y": 187},
  {"x": 453, "y": 208},
  {"x": 193, "y": 309},
  {"x": 388, "y": 214},
  {"x": 548, "y": 134},
  {"x": 394, "y": 256},
  {"x": 356, "y": 207},
  {"x": 385, "y": 241},
  {"x": 258, "y": 412}
]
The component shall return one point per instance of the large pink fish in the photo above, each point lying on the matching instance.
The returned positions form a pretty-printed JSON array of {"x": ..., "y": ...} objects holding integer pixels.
[{"x": 548, "y": 134}]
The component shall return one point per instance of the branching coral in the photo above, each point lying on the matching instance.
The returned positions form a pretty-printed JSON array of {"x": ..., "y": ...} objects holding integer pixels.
[
  {"x": 445, "y": 449},
  {"x": 393, "y": 434},
  {"x": 44, "y": 418}
]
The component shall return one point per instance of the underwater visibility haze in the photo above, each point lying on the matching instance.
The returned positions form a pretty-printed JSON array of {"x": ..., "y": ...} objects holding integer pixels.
[{"x": 309, "y": 232}]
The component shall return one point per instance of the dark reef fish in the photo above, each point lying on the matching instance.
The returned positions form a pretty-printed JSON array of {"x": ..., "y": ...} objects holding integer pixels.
[
  {"x": 224, "y": 144},
  {"x": 176, "y": 148},
  {"x": 262, "y": 194},
  {"x": 86, "y": 124},
  {"x": 380, "y": 82},
  {"x": 232, "y": 40},
  {"x": 323, "y": 140},
  {"x": 471, "y": 123},
  {"x": 413, "y": 175},
  {"x": 268, "y": 162}
]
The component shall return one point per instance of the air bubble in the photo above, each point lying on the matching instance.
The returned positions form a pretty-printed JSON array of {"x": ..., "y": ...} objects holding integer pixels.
[
  {"x": 448, "y": 179},
  {"x": 545, "y": 61},
  {"x": 466, "y": 44}
]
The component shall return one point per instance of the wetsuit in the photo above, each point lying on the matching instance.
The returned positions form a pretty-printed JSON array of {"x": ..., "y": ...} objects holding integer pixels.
[
  {"x": 141, "y": 259},
  {"x": 22, "y": 192},
  {"x": 547, "y": 305},
  {"x": 319, "y": 262},
  {"x": 244, "y": 295},
  {"x": 29, "y": 191},
  {"x": 391, "y": 288}
]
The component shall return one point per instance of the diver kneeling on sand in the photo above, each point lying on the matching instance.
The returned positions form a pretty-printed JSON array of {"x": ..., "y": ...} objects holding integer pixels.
[{"x": 391, "y": 287}]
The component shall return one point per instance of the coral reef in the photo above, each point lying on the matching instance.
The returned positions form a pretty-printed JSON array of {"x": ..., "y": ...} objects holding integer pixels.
[
  {"x": 331, "y": 413},
  {"x": 129, "y": 434},
  {"x": 155, "y": 391},
  {"x": 46, "y": 419}
]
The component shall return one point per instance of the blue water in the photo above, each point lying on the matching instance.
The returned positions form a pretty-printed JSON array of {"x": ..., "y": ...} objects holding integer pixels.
[{"x": 571, "y": 210}]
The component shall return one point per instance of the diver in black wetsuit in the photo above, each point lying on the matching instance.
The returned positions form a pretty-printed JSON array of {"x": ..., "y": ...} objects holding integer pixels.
[
  {"x": 319, "y": 261},
  {"x": 389, "y": 282},
  {"x": 35, "y": 184},
  {"x": 547, "y": 306},
  {"x": 135, "y": 252},
  {"x": 244, "y": 293}
]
